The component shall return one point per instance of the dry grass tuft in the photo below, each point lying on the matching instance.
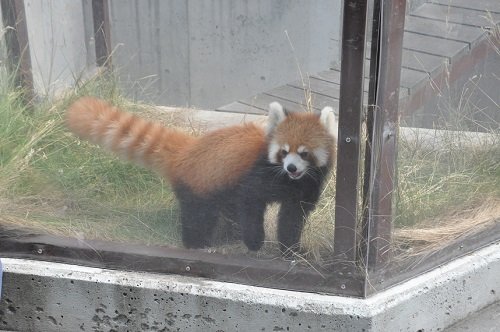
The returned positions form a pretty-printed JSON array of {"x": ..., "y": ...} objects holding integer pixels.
[
  {"x": 317, "y": 237},
  {"x": 436, "y": 233}
]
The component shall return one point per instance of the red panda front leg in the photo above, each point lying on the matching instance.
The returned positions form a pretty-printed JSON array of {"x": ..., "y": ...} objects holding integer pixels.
[
  {"x": 251, "y": 219},
  {"x": 291, "y": 220}
]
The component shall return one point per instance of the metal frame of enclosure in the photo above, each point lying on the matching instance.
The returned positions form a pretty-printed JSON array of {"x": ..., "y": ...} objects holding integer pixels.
[
  {"x": 366, "y": 164},
  {"x": 17, "y": 43}
]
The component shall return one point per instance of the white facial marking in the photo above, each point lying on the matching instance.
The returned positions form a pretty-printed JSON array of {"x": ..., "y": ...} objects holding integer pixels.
[
  {"x": 272, "y": 154},
  {"x": 322, "y": 156},
  {"x": 301, "y": 149}
]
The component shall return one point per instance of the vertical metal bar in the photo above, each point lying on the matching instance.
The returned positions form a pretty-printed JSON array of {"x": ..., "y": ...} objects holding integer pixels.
[
  {"x": 350, "y": 110},
  {"x": 382, "y": 176},
  {"x": 372, "y": 100},
  {"x": 18, "y": 50},
  {"x": 100, "y": 13}
]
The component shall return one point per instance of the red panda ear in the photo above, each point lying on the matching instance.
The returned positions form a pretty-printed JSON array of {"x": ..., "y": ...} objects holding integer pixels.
[
  {"x": 329, "y": 120},
  {"x": 276, "y": 115}
]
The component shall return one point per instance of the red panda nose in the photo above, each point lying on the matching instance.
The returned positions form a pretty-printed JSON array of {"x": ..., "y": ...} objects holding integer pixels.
[{"x": 291, "y": 168}]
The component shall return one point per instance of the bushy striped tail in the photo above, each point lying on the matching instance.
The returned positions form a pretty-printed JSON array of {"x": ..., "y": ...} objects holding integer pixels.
[{"x": 131, "y": 137}]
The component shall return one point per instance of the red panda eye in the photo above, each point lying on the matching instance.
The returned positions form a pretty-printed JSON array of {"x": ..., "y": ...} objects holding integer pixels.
[{"x": 304, "y": 154}]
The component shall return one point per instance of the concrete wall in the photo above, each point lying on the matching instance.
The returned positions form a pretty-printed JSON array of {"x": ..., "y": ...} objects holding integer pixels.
[
  {"x": 176, "y": 52},
  {"x": 209, "y": 53},
  {"x": 413, "y": 4},
  {"x": 60, "y": 48},
  {"x": 40, "y": 296}
]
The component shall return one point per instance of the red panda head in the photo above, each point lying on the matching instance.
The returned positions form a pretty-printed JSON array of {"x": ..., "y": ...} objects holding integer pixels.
[{"x": 301, "y": 141}]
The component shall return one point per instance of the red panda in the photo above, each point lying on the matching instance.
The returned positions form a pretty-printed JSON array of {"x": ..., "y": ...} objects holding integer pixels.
[{"x": 235, "y": 170}]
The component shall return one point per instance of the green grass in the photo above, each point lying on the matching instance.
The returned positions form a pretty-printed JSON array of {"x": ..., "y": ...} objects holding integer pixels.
[
  {"x": 445, "y": 179},
  {"x": 56, "y": 183}
]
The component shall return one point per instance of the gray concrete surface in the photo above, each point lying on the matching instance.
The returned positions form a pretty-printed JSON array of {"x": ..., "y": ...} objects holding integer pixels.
[
  {"x": 486, "y": 320},
  {"x": 210, "y": 53},
  {"x": 40, "y": 296},
  {"x": 185, "y": 53},
  {"x": 60, "y": 41}
]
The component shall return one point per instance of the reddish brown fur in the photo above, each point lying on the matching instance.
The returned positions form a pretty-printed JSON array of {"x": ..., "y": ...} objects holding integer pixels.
[{"x": 204, "y": 164}]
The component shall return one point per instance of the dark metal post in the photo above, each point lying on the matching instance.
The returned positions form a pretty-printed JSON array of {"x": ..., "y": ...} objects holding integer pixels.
[
  {"x": 372, "y": 101},
  {"x": 100, "y": 13},
  {"x": 383, "y": 129},
  {"x": 350, "y": 104},
  {"x": 16, "y": 39}
]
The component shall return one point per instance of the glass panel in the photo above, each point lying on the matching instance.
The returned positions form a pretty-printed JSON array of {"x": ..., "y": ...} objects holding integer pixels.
[
  {"x": 193, "y": 67},
  {"x": 449, "y": 151}
]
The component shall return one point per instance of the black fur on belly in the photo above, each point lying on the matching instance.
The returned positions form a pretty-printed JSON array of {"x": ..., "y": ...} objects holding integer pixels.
[{"x": 246, "y": 203}]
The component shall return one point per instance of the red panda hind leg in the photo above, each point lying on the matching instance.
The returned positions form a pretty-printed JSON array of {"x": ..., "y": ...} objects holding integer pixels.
[{"x": 198, "y": 217}]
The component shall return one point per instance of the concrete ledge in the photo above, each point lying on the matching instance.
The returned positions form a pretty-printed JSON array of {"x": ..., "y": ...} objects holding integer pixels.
[
  {"x": 447, "y": 139},
  {"x": 487, "y": 320},
  {"x": 42, "y": 296},
  {"x": 425, "y": 138}
]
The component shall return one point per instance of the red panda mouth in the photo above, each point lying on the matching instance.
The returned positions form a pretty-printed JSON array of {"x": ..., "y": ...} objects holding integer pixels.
[{"x": 295, "y": 175}]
